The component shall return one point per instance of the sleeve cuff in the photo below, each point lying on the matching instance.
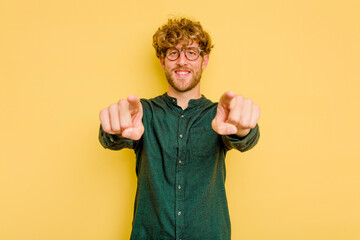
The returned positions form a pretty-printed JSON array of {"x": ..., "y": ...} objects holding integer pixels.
[
  {"x": 242, "y": 143},
  {"x": 114, "y": 142}
]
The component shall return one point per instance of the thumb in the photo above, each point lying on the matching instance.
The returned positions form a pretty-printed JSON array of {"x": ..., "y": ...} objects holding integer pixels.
[
  {"x": 223, "y": 128},
  {"x": 134, "y": 133}
]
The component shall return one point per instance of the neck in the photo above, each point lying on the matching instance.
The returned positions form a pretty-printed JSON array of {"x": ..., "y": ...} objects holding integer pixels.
[{"x": 183, "y": 98}]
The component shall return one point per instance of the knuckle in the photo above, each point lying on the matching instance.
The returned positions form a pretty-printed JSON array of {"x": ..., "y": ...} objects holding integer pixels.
[
  {"x": 116, "y": 128},
  {"x": 244, "y": 122},
  {"x": 103, "y": 112},
  {"x": 125, "y": 124},
  {"x": 234, "y": 122},
  {"x": 122, "y": 103},
  {"x": 113, "y": 107},
  {"x": 106, "y": 128},
  {"x": 240, "y": 101},
  {"x": 231, "y": 118},
  {"x": 239, "y": 97},
  {"x": 248, "y": 101}
]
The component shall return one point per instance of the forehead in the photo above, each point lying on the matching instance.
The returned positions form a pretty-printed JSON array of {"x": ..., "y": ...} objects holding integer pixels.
[{"x": 187, "y": 43}]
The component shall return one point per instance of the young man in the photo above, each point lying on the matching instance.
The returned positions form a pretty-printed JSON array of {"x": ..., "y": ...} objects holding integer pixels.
[{"x": 180, "y": 139}]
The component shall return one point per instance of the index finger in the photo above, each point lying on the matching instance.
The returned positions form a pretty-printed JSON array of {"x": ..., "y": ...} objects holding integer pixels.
[
  {"x": 134, "y": 103},
  {"x": 226, "y": 98}
]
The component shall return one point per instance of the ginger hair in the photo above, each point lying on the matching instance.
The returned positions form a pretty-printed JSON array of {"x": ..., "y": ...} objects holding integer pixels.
[{"x": 181, "y": 29}]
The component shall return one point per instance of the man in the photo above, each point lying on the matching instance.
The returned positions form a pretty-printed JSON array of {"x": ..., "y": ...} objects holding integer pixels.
[{"x": 180, "y": 139}]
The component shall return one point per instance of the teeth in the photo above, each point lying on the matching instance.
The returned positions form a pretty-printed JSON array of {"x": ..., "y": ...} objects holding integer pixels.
[{"x": 182, "y": 72}]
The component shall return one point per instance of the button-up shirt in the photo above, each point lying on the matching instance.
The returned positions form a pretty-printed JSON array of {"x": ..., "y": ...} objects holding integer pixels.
[{"x": 180, "y": 165}]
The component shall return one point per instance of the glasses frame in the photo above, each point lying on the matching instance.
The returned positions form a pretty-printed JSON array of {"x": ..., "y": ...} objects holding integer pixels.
[{"x": 183, "y": 49}]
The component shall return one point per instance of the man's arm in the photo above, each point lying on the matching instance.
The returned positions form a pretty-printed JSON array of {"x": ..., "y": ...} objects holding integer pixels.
[
  {"x": 121, "y": 124},
  {"x": 124, "y": 118},
  {"x": 236, "y": 119}
]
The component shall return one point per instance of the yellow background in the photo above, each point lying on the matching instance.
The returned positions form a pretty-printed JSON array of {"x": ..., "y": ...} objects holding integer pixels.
[{"x": 62, "y": 61}]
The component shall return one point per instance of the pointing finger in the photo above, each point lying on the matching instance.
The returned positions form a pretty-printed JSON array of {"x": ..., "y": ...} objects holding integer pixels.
[
  {"x": 226, "y": 98},
  {"x": 134, "y": 104}
]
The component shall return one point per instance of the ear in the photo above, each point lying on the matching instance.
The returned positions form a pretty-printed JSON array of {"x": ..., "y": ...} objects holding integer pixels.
[
  {"x": 205, "y": 61},
  {"x": 162, "y": 62}
]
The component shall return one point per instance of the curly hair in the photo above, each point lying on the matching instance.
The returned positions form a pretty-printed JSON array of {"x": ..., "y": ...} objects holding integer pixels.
[{"x": 177, "y": 30}]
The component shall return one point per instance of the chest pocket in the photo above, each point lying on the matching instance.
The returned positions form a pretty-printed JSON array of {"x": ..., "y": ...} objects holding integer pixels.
[{"x": 204, "y": 142}]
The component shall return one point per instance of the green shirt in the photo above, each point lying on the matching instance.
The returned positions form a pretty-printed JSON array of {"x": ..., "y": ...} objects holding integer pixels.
[{"x": 180, "y": 165}]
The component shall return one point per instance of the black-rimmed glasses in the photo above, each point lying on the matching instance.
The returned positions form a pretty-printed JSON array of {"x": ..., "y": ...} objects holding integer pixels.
[{"x": 191, "y": 53}]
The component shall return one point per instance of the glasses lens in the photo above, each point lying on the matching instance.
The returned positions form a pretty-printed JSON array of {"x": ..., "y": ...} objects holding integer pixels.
[
  {"x": 172, "y": 53},
  {"x": 192, "y": 53}
]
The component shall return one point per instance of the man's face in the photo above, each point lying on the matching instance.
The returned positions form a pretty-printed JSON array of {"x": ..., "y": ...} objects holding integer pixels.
[{"x": 182, "y": 74}]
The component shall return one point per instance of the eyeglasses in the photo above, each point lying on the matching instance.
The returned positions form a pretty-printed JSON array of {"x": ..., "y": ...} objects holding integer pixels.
[{"x": 191, "y": 53}]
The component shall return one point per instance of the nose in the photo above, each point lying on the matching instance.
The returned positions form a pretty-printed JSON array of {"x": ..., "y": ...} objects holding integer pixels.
[{"x": 182, "y": 60}]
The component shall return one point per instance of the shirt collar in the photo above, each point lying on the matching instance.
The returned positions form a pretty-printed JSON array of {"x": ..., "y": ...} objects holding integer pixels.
[{"x": 192, "y": 103}]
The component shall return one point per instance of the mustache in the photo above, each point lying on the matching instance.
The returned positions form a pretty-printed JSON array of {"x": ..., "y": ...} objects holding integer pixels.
[{"x": 181, "y": 68}]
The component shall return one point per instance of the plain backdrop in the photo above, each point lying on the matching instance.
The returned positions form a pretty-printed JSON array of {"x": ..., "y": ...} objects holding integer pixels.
[{"x": 63, "y": 61}]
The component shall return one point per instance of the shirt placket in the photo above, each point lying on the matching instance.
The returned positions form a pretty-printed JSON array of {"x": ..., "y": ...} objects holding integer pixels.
[{"x": 179, "y": 186}]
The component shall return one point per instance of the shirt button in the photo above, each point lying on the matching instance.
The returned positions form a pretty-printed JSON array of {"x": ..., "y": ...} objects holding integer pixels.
[
  {"x": 182, "y": 116},
  {"x": 179, "y": 213},
  {"x": 179, "y": 187},
  {"x": 173, "y": 100},
  {"x": 181, "y": 136},
  {"x": 180, "y": 161}
]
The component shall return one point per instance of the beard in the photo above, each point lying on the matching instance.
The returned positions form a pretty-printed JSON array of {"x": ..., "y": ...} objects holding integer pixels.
[{"x": 177, "y": 83}]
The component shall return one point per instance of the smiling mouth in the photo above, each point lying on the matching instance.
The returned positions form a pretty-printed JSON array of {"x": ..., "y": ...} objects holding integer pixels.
[{"x": 182, "y": 72}]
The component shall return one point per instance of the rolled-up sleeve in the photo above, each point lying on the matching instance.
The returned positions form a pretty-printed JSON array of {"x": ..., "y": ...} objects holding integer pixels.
[
  {"x": 242, "y": 143},
  {"x": 114, "y": 142}
]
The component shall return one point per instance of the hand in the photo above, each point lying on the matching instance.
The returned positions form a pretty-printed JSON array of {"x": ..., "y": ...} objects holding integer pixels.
[
  {"x": 124, "y": 118},
  {"x": 235, "y": 115}
]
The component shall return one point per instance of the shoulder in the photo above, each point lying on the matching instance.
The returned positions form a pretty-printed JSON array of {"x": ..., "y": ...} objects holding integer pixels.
[
  {"x": 208, "y": 107},
  {"x": 153, "y": 106},
  {"x": 153, "y": 102}
]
